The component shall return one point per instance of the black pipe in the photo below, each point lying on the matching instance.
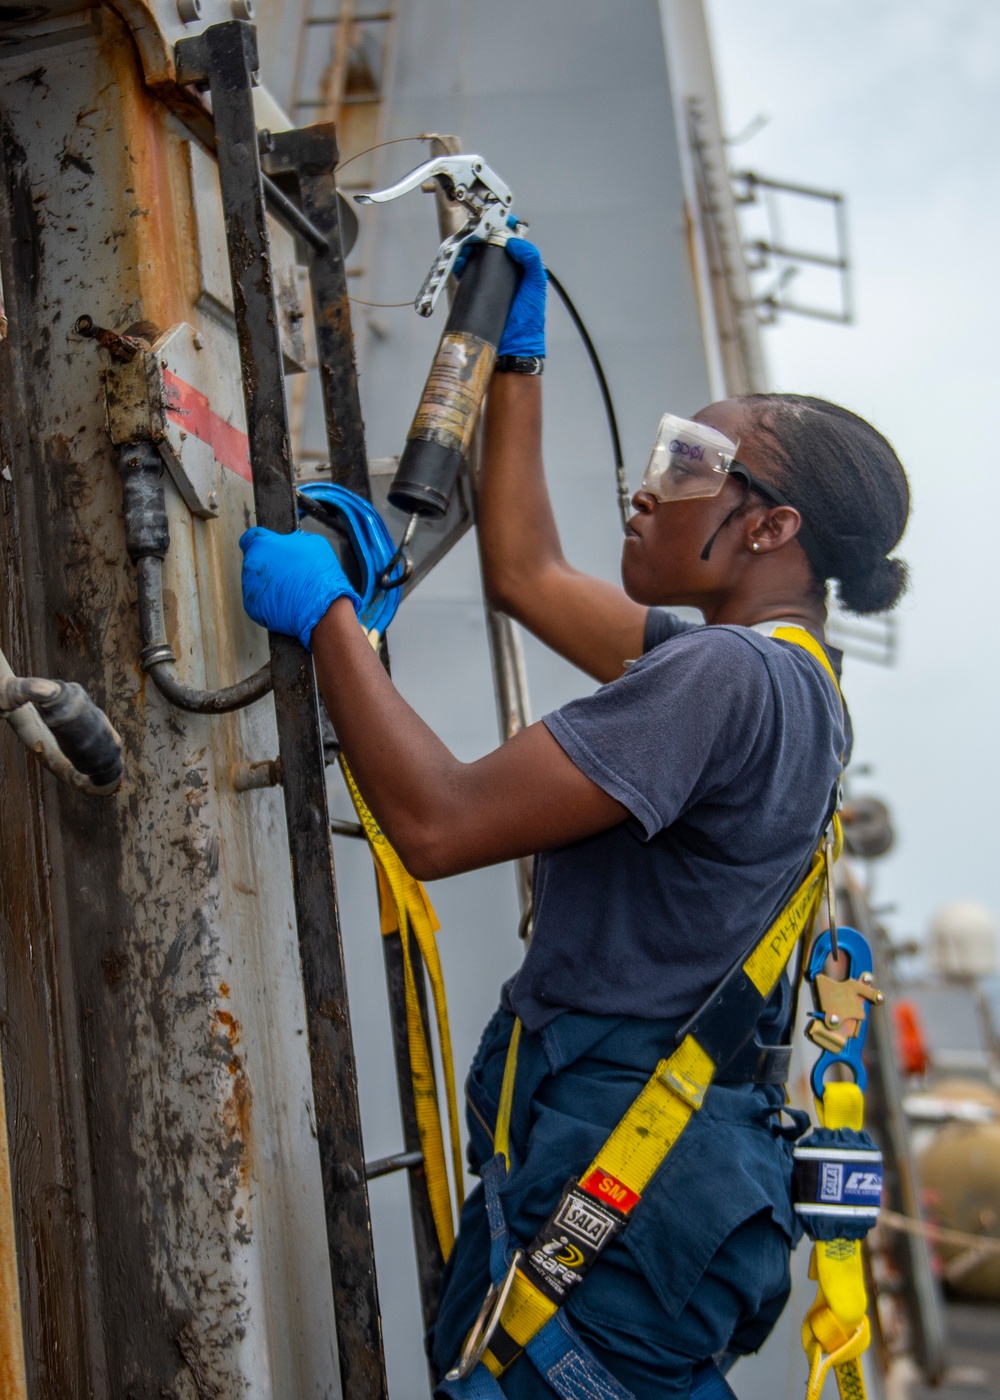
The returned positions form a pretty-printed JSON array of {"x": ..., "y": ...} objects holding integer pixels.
[
  {"x": 157, "y": 658},
  {"x": 292, "y": 216},
  {"x": 398, "y": 1162},
  {"x": 147, "y": 539},
  {"x": 443, "y": 425}
]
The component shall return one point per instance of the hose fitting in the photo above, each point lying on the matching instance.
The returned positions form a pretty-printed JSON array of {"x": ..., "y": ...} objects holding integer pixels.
[
  {"x": 146, "y": 529},
  {"x": 83, "y": 732},
  {"x": 60, "y": 724}
]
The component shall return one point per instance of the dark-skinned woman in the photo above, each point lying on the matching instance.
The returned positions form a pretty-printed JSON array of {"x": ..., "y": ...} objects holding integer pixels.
[{"x": 672, "y": 814}]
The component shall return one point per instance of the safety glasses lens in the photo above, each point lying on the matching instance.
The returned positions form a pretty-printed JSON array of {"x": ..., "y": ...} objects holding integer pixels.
[{"x": 689, "y": 460}]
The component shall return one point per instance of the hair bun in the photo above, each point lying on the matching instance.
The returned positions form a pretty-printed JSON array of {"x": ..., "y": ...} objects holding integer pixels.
[
  {"x": 848, "y": 485},
  {"x": 875, "y": 589}
]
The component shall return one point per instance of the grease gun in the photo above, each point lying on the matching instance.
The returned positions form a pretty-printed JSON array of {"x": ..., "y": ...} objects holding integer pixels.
[{"x": 445, "y": 420}]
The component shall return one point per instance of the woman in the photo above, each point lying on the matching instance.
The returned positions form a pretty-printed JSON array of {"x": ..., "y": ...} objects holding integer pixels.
[{"x": 672, "y": 814}]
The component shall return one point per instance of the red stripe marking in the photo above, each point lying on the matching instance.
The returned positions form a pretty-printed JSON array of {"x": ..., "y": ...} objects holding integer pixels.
[
  {"x": 192, "y": 411},
  {"x": 608, "y": 1188}
]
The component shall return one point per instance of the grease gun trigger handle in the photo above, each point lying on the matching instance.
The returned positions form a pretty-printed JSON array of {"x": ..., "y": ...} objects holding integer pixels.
[
  {"x": 458, "y": 175},
  {"x": 491, "y": 227},
  {"x": 440, "y": 270},
  {"x": 470, "y": 182}
]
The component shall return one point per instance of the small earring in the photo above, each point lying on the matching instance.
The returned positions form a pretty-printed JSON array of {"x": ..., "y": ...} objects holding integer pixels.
[{"x": 755, "y": 546}]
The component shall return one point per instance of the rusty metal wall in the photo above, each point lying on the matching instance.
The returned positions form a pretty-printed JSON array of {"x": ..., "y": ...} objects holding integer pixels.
[{"x": 166, "y": 1180}]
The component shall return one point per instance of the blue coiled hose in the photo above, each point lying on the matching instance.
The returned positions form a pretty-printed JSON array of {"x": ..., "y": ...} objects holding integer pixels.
[{"x": 372, "y": 546}]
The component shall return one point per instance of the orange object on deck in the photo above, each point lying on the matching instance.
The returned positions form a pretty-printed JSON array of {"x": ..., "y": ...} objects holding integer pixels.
[{"x": 911, "y": 1044}]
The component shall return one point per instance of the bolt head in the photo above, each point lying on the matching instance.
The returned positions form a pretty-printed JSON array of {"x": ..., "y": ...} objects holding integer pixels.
[{"x": 833, "y": 1019}]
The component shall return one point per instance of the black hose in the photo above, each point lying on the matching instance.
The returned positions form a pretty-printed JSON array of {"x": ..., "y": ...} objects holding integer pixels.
[
  {"x": 624, "y": 494},
  {"x": 147, "y": 539},
  {"x": 158, "y": 660},
  {"x": 83, "y": 732}
]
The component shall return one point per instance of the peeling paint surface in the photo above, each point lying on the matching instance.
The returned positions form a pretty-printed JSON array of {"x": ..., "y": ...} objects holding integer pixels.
[{"x": 167, "y": 1191}]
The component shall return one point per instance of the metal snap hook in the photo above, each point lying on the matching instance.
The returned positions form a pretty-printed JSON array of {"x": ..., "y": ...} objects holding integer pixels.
[{"x": 487, "y": 1320}]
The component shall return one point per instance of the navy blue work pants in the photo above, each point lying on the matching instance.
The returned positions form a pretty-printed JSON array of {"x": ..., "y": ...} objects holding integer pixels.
[{"x": 702, "y": 1267}]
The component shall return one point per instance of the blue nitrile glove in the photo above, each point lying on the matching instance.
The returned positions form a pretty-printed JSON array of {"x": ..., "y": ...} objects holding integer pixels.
[
  {"x": 289, "y": 581},
  {"x": 524, "y": 333}
]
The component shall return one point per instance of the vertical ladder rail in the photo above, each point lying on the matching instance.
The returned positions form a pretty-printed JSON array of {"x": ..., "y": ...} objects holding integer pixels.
[
  {"x": 310, "y": 153},
  {"x": 225, "y": 55},
  {"x": 13, "y": 1380},
  {"x": 510, "y": 677}
]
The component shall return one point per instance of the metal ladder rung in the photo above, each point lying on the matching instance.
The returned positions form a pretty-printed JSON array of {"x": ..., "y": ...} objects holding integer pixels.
[
  {"x": 322, "y": 21},
  {"x": 397, "y": 1162}
]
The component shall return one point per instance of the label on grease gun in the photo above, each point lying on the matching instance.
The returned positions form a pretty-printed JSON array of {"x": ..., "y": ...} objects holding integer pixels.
[{"x": 455, "y": 388}]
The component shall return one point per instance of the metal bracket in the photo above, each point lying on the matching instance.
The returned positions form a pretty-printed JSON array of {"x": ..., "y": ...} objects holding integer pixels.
[
  {"x": 773, "y": 253},
  {"x": 153, "y": 398},
  {"x": 192, "y": 62}
]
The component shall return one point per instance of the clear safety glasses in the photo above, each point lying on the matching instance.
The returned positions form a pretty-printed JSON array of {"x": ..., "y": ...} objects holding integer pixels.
[{"x": 689, "y": 460}]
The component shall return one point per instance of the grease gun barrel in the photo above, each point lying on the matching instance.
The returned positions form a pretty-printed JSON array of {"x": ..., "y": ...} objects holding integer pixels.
[{"x": 446, "y": 417}]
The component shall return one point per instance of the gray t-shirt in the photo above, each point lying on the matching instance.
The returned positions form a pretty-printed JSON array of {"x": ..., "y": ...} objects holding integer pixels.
[{"x": 725, "y": 746}]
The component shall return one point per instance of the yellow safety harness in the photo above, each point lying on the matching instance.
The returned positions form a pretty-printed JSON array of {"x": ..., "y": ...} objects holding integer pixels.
[
  {"x": 404, "y": 908},
  {"x": 592, "y": 1210}
]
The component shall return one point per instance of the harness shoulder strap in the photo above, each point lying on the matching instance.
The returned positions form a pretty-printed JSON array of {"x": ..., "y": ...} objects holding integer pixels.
[{"x": 798, "y": 636}]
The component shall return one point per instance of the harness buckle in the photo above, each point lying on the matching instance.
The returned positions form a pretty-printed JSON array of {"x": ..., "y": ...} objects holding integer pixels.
[{"x": 486, "y": 1323}]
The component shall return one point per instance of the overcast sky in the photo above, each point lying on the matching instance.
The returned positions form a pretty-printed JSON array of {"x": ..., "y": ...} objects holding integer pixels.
[{"x": 896, "y": 103}]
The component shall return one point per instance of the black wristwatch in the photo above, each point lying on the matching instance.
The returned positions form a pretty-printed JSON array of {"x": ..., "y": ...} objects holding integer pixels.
[{"x": 520, "y": 364}]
